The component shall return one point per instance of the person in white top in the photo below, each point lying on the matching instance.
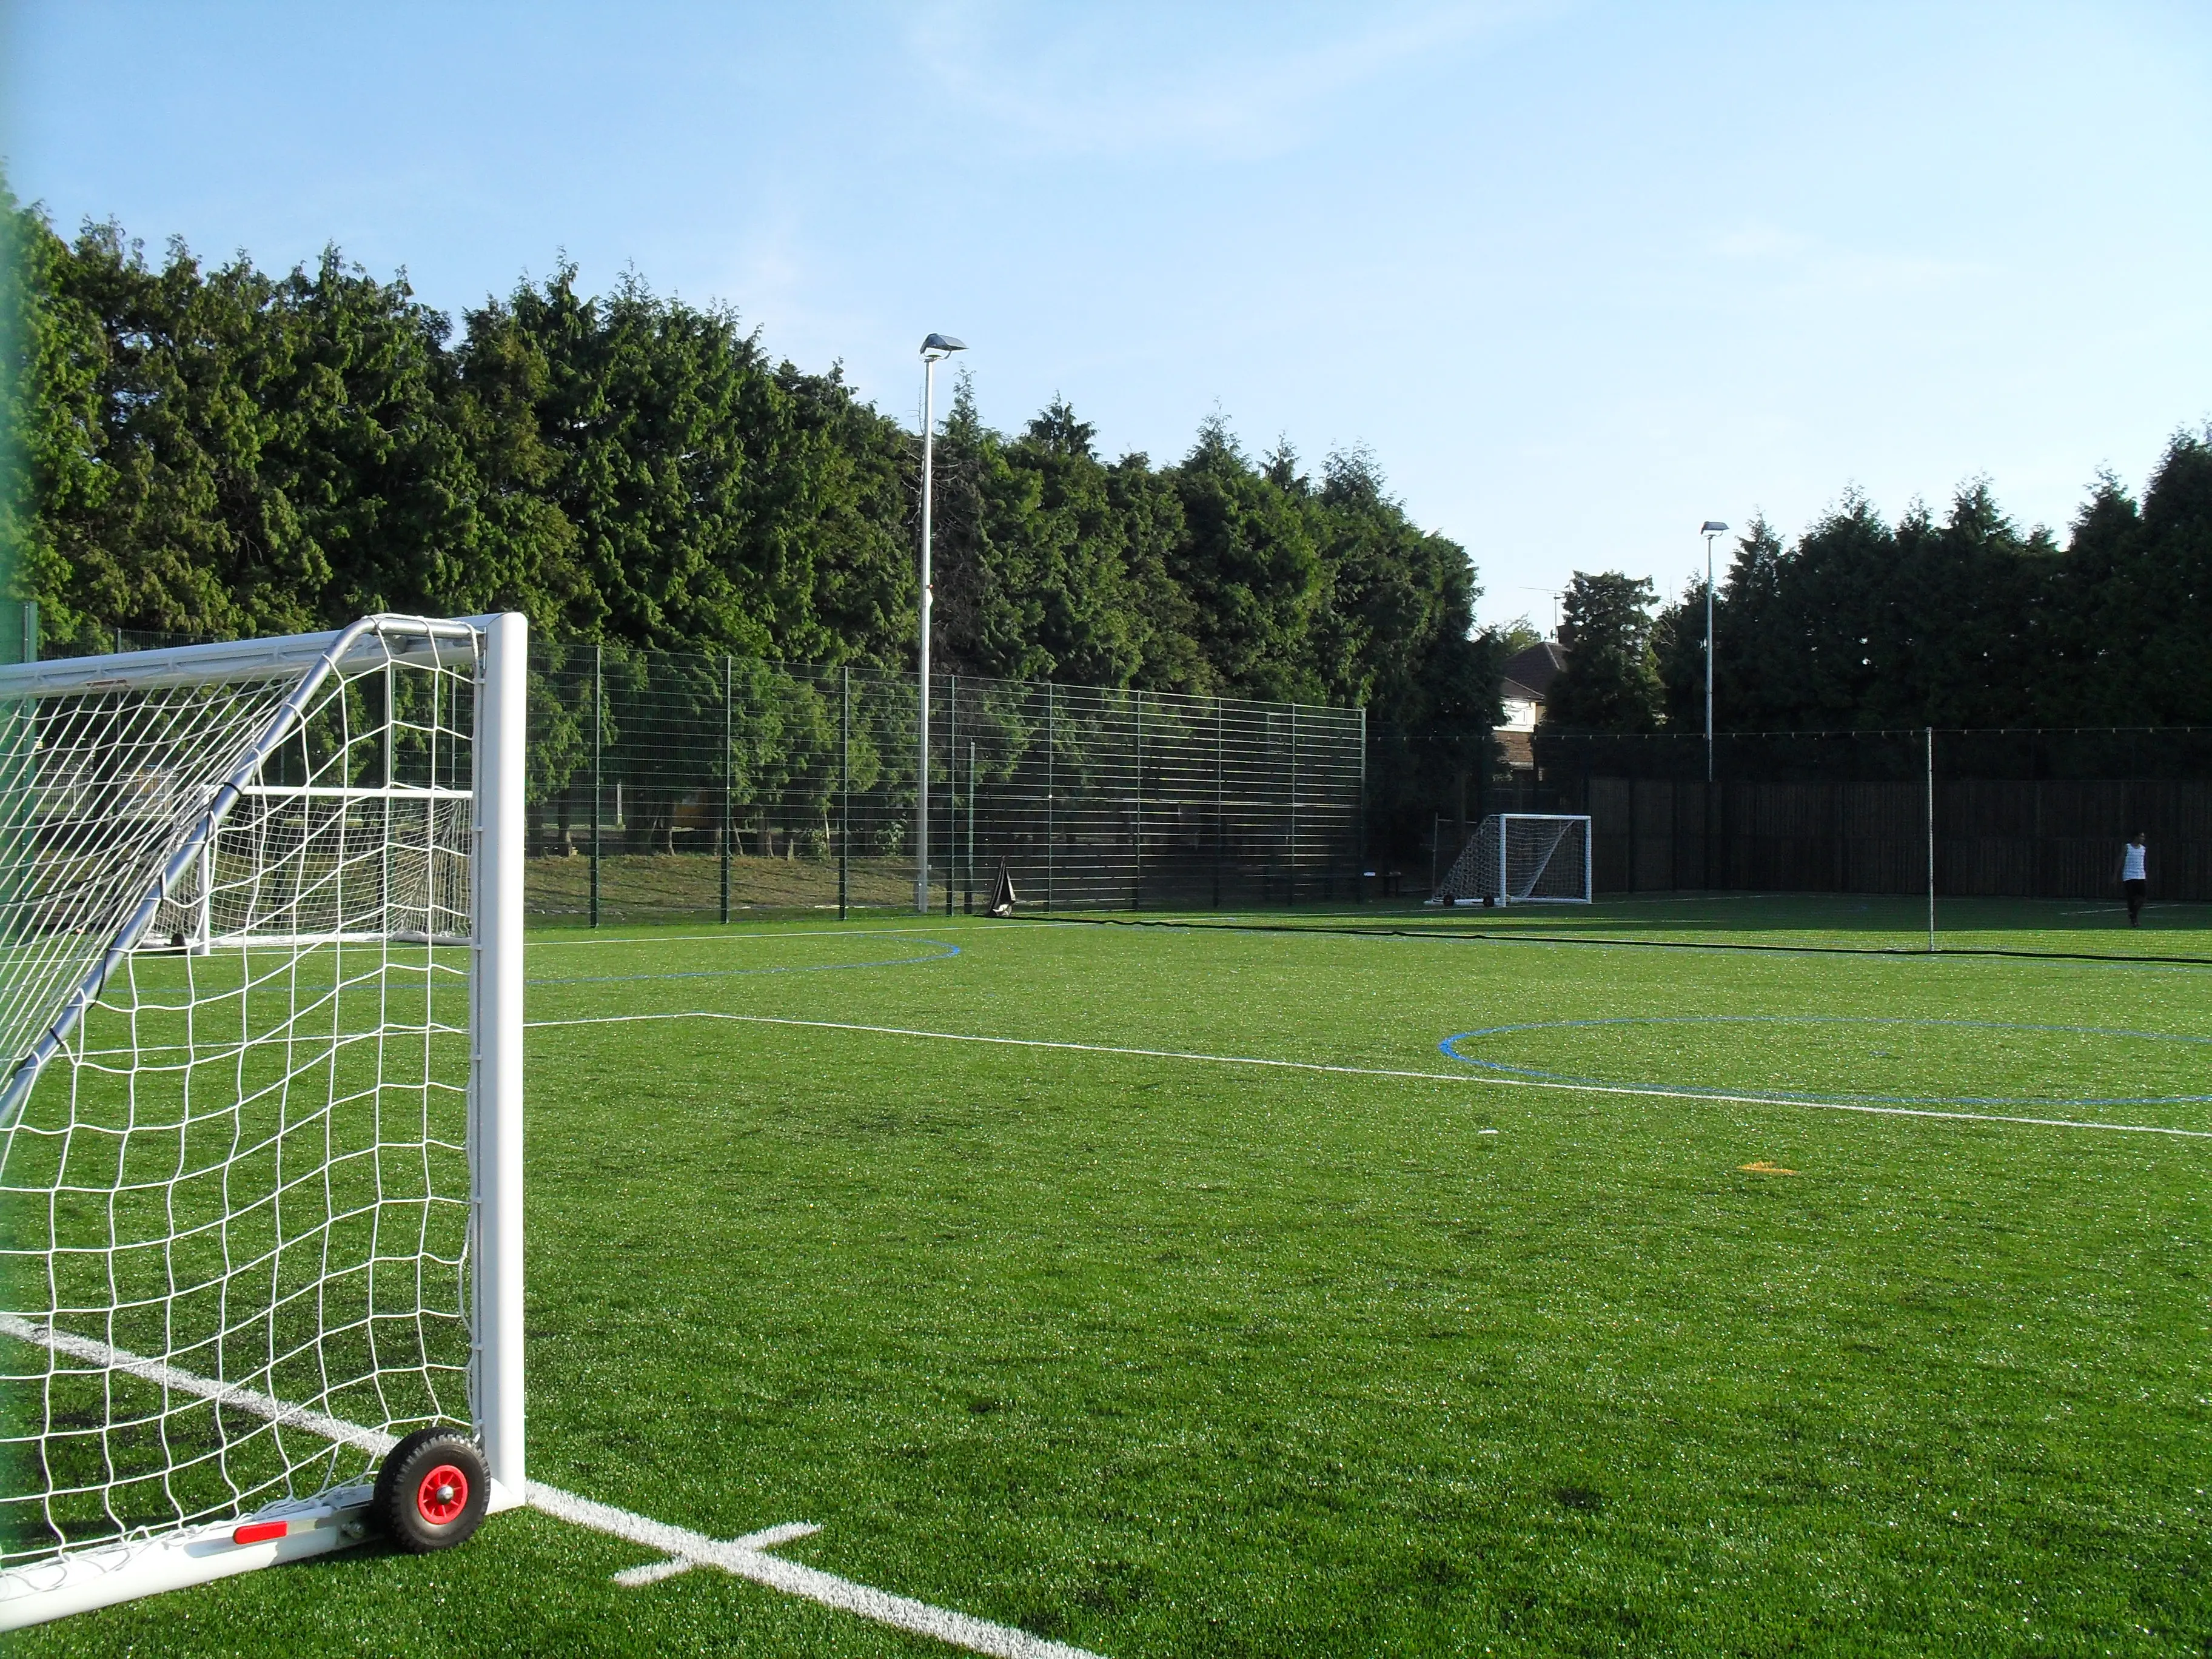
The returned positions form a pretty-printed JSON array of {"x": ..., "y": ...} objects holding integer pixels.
[{"x": 2135, "y": 877}]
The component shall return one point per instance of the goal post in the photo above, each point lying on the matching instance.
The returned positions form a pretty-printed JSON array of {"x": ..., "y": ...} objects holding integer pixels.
[
  {"x": 1522, "y": 857},
  {"x": 260, "y": 1200}
]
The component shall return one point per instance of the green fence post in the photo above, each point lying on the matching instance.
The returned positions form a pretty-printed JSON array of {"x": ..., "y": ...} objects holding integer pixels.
[
  {"x": 1137, "y": 815},
  {"x": 599, "y": 730},
  {"x": 1048, "y": 796},
  {"x": 19, "y": 812},
  {"x": 19, "y": 627},
  {"x": 844, "y": 787},
  {"x": 1291, "y": 876},
  {"x": 1931, "y": 841},
  {"x": 1359, "y": 837},
  {"x": 1220, "y": 805},
  {"x": 952, "y": 796},
  {"x": 728, "y": 676}
]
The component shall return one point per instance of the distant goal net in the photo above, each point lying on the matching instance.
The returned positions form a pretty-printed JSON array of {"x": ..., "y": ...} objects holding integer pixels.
[
  {"x": 1522, "y": 857},
  {"x": 259, "y": 1197}
]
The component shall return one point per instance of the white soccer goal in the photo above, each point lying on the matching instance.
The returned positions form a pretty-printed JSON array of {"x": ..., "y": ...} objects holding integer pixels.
[
  {"x": 260, "y": 1201},
  {"x": 1522, "y": 857}
]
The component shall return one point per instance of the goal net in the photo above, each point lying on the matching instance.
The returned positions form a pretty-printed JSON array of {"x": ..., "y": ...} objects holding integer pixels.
[
  {"x": 259, "y": 1199},
  {"x": 1522, "y": 857}
]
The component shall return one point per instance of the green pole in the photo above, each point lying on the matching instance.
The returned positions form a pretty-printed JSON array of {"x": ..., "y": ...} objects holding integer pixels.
[
  {"x": 952, "y": 798},
  {"x": 726, "y": 752},
  {"x": 18, "y": 752},
  {"x": 19, "y": 621},
  {"x": 1290, "y": 886},
  {"x": 1360, "y": 842},
  {"x": 1220, "y": 827},
  {"x": 19, "y": 642},
  {"x": 599, "y": 728},
  {"x": 1931, "y": 841},
  {"x": 1048, "y": 796},
  {"x": 844, "y": 789},
  {"x": 1137, "y": 815}
]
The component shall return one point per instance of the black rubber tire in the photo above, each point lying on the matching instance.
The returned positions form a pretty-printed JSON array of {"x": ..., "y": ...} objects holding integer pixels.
[{"x": 419, "y": 1518}]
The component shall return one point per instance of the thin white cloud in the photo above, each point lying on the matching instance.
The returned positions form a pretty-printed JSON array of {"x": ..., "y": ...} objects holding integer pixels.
[
  {"x": 1803, "y": 264},
  {"x": 1126, "y": 82}
]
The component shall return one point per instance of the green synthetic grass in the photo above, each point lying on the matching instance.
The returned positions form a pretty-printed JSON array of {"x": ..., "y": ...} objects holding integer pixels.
[{"x": 1165, "y": 1356}]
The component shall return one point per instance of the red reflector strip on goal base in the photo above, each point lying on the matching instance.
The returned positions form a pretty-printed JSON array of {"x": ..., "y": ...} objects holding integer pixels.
[{"x": 101, "y": 1578}]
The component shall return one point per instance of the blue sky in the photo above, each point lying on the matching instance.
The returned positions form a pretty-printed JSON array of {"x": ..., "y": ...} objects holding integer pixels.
[{"x": 1580, "y": 275}]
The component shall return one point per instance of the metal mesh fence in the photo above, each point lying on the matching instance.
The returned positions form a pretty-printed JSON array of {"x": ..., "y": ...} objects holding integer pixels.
[
  {"x": 2018, "y": 814},
  {"x": 664, "y": 784}
]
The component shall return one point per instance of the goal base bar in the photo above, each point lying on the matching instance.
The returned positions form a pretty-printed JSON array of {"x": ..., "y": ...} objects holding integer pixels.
[
  {"x": 337, "y": 1520},
  {"x": 1547, "y": 899}
]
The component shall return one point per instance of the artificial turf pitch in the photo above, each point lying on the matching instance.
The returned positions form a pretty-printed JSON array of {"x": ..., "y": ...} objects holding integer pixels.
[{"x": 1540, "y": 1350}]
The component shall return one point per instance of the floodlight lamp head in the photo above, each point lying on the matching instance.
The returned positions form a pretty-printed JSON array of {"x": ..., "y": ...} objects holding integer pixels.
[
  {"x": 938, "y": 347},
  {"x": 1713, "y": 527}
]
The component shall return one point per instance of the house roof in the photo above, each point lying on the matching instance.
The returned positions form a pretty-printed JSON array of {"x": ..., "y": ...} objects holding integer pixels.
[
  {"x": 1513, "y": 691},
  {"x": 1535, "y": 667}
]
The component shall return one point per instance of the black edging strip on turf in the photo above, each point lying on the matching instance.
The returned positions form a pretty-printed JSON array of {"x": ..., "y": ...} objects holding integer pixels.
[{"x": 1643, "y": 943}]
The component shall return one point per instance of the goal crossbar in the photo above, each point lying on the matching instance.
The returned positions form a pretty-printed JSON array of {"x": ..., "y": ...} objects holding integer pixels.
[{"x": 371, "y": 642}]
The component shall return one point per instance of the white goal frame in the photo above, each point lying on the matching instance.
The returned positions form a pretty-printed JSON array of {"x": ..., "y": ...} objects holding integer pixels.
[
  {"x": 1482, "y": 873},
  {"x": 149, "y": 1557}
]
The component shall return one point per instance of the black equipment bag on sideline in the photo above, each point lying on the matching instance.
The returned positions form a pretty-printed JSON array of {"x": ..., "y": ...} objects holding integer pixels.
[{"x": 1002, "y": 892}]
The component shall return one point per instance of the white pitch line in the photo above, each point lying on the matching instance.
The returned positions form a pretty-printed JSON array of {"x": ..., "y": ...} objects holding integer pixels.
[
  {"x": 902, "y": 1613},
  {"x": 1489, "y": 1078},
  {"x": 745, "y": 1557},
  {"x": 375, "y": 1442}
]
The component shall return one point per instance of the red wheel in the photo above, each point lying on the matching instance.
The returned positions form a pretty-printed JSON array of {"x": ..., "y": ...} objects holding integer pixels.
[
  {"x": 443, "y": 1494},
  {"x": 432, "y": 1490}
]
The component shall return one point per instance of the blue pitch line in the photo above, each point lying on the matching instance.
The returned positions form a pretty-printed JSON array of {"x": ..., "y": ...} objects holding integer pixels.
[
  {"x": 944, "y": 950},
  {"x": 1898, "y": 952},
  {"x": 1449, "y": 1048}
]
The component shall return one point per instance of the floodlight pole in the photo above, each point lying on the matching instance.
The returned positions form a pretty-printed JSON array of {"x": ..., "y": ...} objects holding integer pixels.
[
  {"x": 934, "y": 350},
  {"x": 1712, "y": 527}
]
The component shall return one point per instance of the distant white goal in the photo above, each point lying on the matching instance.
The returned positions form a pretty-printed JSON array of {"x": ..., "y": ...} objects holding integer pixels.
[
  {"x": 260, "y": 1199},
  {"x": 1522, "y": 857}
]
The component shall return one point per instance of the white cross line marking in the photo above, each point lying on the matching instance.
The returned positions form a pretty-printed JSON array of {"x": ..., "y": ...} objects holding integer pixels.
[
  {"x": 900, "y": 1612},
  {"x": 1493, "y": 1081},
  {"x": 766, "y": 1539},
  {"x": 652, "y": 1572},
  {"x": 744, "y": 1557}
]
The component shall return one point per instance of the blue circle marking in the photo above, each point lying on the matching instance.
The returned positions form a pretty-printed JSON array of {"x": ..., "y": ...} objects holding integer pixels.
[
  {"x": 943, "y": 951},
  {"x": 1449, "y": 1049}
]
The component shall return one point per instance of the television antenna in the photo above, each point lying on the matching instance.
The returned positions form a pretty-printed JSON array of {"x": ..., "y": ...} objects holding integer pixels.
[{"x": 1555, "y": 592}]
